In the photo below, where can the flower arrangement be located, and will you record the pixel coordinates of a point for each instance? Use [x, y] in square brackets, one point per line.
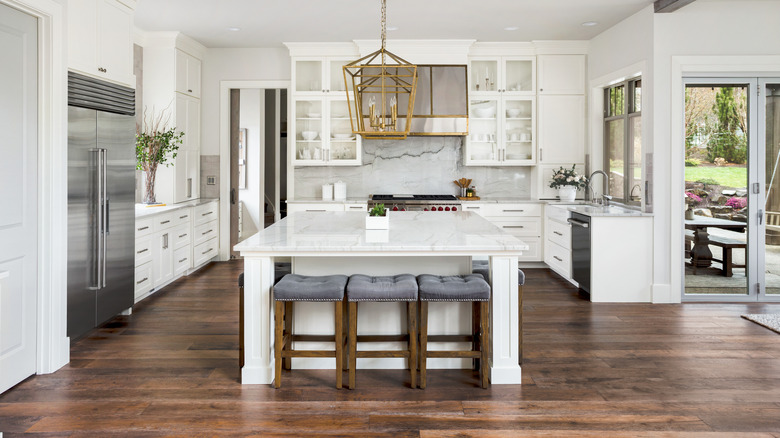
[568, 177]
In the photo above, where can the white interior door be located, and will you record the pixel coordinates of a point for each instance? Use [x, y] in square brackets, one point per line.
[19, 192]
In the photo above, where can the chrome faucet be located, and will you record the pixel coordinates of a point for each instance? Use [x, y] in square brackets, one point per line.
[605, 198]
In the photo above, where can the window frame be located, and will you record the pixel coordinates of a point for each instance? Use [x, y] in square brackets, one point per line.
[629, 113]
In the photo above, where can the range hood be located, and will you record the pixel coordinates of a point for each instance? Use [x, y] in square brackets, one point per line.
[441, 104]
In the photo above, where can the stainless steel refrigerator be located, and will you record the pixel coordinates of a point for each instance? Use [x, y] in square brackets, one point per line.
[101, 202]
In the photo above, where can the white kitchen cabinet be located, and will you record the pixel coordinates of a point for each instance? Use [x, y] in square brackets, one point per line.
[518, 219]
[294, 207]
[502, 131]
[162, 257]
[562, 129]
[502, 75]
[561, 74]
[187, 74]
[205, 234]
[143, 280]
[100, 39]
[188, 121]
[557, 240]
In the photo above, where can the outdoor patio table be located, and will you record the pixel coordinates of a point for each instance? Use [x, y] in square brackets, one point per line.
[701, 241]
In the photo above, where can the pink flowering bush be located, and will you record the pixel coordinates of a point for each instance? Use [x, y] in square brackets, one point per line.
[737, 203]
[692, 198]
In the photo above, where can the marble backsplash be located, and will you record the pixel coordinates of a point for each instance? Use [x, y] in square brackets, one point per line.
[414, 165]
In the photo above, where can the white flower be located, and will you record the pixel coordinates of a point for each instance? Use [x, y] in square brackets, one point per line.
[570, 179]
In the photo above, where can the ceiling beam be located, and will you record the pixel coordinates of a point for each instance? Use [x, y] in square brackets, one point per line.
[663, 6]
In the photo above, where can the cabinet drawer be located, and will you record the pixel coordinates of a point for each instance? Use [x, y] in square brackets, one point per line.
[143, 227]
[143, 280]
[163, 221]
[473, 208]
[182, 260]
[182, 216]
[511, 210]
[534, 251]
[205, 232]
[519, 227]
[559, 233]
[143, 250]
[294, 208]
[205, 213]
[181, 236]
[205, 251]
[355, 207]
[559, 258]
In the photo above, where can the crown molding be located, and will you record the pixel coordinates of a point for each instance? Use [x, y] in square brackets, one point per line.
[422, 51]
[564, 47]
[171, 40]
[319, 49]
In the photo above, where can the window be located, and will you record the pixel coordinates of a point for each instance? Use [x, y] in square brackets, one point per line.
[623, 140]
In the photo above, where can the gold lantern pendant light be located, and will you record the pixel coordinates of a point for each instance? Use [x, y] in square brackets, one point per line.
[377, 86]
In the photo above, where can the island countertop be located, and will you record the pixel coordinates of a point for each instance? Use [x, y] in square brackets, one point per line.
[454, 233]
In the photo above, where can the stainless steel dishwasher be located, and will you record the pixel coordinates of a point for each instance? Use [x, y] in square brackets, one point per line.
[580, 250]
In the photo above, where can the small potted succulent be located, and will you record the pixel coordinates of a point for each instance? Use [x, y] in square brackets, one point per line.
[377, 218]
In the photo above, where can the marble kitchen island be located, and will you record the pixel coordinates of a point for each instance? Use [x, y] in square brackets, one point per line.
[322, 243]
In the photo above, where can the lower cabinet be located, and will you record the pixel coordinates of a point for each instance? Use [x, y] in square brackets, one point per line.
[557, 243]
[172, 244]
[293, 207]
[521, 220]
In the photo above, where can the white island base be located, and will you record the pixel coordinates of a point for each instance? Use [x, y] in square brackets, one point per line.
[417, 244]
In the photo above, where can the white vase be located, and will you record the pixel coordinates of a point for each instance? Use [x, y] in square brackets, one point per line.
[567, 193]
[377, 222]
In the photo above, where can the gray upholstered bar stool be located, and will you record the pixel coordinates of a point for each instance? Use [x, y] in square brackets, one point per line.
[482, 267]
[471, 287]
[291, 288]
[393, 288]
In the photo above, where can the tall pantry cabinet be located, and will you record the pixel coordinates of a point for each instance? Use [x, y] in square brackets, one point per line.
[172, 76]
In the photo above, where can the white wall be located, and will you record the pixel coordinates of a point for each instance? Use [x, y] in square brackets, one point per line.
[251, 112]
[234, 65]
[720, 29]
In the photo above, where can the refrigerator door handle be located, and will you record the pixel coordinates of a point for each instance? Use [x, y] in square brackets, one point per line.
[99, 253]
[104, 204]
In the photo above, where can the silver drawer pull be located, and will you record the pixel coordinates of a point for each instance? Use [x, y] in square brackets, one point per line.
[184, 217]
[557, 258]
[142, 251]
[356, 208]
[514, 211]
[182, 235]
[164, 222]
[206, 232]
[472, 208]
[513, 226]
[207, 251]
[183, 260]
[142, 228]
[207, 213]
[316, 210]
[555, 232]
[141, 281]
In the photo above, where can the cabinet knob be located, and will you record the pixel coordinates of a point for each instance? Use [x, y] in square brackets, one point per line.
[189, 91]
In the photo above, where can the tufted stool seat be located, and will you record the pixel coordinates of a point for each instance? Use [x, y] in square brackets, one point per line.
[471, 287]
[482, 267]
[392, 288]
[294, 287]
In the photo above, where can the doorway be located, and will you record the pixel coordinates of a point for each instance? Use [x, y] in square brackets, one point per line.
[258, 165]
[732, 189]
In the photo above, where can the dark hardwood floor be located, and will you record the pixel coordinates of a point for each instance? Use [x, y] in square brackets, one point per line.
[591, 370]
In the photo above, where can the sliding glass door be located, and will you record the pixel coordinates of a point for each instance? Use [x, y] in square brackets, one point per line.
[732, 189]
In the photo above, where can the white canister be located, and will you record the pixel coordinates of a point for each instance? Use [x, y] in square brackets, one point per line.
[327, 192]
[339, 191]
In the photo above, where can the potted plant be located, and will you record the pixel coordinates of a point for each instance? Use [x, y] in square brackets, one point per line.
[568, 182]
[377, 218]
[691, 200]
[156, 144]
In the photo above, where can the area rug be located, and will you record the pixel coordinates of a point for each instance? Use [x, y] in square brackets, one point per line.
[769, 320]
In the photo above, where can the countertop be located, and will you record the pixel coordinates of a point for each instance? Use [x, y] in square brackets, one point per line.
[459, 233]
[141, 210]
[611, 211]
[320, 201]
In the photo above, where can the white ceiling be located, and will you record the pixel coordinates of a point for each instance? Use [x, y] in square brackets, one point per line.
[268, 23]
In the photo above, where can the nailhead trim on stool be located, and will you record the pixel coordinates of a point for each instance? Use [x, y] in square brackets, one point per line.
[466, 288]
[293, 287]
[393, 288]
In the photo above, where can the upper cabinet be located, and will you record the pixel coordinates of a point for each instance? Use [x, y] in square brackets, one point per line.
[187, 74]
[561, 74]
[506, 75]
[100, 39]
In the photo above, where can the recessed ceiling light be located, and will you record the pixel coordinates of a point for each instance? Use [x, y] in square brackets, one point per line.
[234, 29]
[590, 23]
[512, 28]
[392, 28]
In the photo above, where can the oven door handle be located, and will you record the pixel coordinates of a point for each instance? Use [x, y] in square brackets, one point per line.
[578, 223]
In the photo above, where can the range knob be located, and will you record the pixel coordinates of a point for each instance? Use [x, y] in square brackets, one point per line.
[425, 209]
[446, 209]
[454, 208]
[395, 208]
[403, 209]
[441, 208]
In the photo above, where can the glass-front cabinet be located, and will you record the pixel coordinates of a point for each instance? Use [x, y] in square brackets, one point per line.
[505, 75]
[321, 123]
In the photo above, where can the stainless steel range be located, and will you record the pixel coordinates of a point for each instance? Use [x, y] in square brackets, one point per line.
[416, 202]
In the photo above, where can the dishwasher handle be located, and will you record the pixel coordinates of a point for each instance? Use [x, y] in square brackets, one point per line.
[578, 223]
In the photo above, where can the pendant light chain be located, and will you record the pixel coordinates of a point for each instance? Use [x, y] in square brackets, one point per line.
[384, 28]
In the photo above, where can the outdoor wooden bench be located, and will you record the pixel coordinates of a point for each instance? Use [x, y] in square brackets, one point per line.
[728, 245]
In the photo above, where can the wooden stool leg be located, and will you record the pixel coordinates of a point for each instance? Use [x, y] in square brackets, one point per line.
[288, 329]
[278, 342]
[520, 325]
[339, 341]
[483, 333]
[474, 333]
[345, 328]
[352, 343]
[423, 342]
[411, 319]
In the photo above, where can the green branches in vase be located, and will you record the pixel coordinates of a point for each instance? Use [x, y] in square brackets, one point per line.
[155, 144]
